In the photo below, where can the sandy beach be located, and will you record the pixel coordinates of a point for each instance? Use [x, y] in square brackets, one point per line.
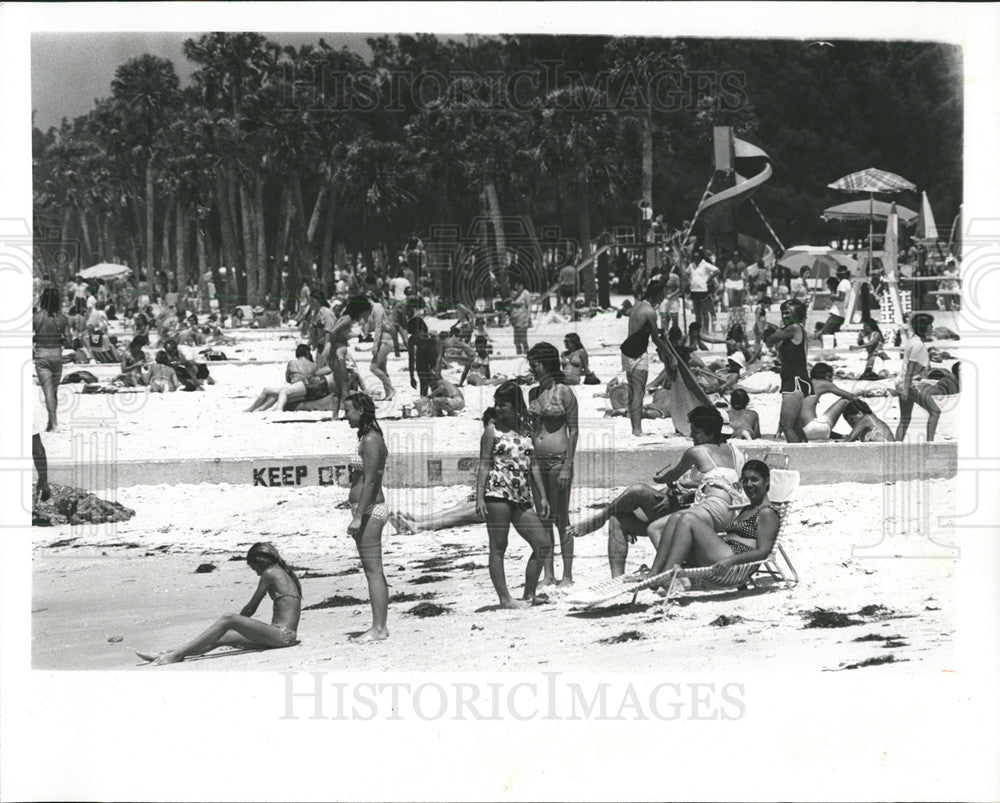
[101, 592]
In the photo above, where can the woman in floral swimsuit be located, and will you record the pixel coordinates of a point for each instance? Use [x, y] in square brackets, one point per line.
[504, 492]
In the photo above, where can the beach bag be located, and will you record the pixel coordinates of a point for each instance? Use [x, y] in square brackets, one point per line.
[590, 379]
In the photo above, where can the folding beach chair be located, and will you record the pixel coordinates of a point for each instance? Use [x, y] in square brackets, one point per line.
[784, 483]
[680, 581]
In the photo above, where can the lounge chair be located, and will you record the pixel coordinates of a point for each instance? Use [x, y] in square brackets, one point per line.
[680, 581]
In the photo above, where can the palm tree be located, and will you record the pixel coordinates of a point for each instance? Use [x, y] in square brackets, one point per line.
[579, 146]
[146, 92]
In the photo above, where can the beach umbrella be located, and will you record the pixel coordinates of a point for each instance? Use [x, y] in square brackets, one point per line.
[890, 259]
[867, 210]
[871, 181]
[927, 227]
[105, 270]
[812, 256]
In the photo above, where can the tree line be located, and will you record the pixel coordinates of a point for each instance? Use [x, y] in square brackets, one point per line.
[312, 153]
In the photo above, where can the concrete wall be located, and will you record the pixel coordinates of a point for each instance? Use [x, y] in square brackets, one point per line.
[820, 463]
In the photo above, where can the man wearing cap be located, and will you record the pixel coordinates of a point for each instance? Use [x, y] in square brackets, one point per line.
[838, 306]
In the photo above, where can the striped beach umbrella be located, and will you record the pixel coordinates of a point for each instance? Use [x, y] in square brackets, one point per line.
[871, 181]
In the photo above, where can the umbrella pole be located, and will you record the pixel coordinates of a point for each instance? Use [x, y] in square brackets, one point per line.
[871, 229]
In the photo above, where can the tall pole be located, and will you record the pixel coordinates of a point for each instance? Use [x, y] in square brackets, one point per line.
[871, 230]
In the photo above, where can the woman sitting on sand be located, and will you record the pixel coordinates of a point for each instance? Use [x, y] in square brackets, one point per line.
[457, 516]
[693, 539]
[503, 492]
[134, 362]
[240, 630]
[872, 341]
[745, 423]
[161, 377]
[575, 360]
[368, 506]
[302, 367]
[865, 425]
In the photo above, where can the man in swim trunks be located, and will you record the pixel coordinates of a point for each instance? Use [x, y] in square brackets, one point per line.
[820, 427]
[642, 326]
[865, 425]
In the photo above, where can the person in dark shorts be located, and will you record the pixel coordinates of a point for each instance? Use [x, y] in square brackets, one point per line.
[791, 342]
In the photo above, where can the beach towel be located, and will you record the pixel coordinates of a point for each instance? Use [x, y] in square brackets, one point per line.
[685, 394]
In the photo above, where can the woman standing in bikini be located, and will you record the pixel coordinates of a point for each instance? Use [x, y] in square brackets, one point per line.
[791, 342]
[356, 310]
[368, 506]
[555, 431]
[504, 495]
[367, 503]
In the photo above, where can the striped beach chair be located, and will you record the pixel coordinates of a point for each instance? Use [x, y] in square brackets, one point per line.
[680, 581]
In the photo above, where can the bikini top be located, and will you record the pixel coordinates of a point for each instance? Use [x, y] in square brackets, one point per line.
[552, 411]
[276, 595]
[723, 478]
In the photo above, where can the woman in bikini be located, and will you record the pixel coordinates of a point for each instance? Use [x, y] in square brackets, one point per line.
[367, 502]
[317, 386]
[713, 467]
[748, 538]
[504, 495]
[356, 310]
[575, 360]
[554, 412]
[791, 343]
[240, 630]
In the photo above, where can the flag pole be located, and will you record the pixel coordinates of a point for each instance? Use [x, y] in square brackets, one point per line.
[871, 229]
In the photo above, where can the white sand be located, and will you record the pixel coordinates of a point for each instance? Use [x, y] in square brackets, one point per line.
[136, 582]
[212, 423]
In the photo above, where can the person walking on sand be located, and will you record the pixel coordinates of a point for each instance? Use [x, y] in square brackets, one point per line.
[635, 362]
[51, 333]
[915, 364]
[382, 344]
[241, 630]
[367, 502]
[503, 492]
[555, 430]
[356, 310]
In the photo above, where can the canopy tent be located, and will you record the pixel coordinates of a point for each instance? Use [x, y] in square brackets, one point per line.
[105, 270]
[867, 210]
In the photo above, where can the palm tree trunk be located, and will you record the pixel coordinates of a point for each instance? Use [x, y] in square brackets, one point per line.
[249, 245]
[180, 255]
[317, 211]
[326, 258]
[234, 213]
[583, 198]
[284, 227]
[64, 244]
[150, 264]
[257, 205]
[171, 276]
[88, 251]
[229, 250]
[493, 200]
[647, 180]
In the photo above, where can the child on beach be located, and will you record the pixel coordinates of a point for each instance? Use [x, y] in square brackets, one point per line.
[872, 341]
[745, 423]
[240, 630]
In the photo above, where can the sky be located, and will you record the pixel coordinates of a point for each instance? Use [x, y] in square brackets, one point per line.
[69, 71]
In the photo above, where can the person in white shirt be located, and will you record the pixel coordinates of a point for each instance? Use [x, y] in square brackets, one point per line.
[97, 320]
[915, 364]
[398, 285]
[700, 272]
[838, 306]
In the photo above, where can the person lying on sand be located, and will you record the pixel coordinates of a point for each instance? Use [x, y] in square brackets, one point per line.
[240, 630]
[457, 516]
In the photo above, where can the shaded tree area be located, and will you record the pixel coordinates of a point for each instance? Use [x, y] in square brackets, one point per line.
[275, 159]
